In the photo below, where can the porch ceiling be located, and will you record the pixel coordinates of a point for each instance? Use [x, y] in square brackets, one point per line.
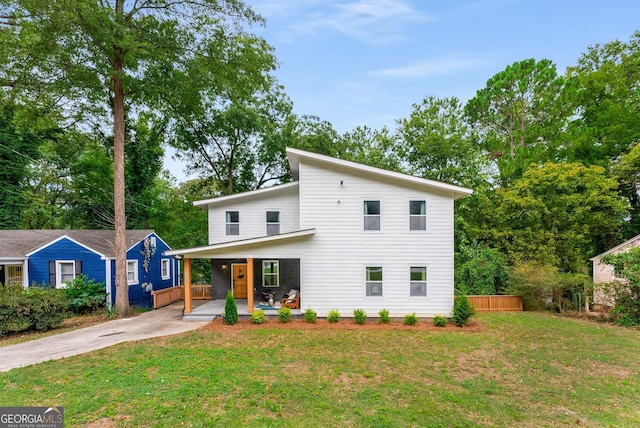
[215, 250]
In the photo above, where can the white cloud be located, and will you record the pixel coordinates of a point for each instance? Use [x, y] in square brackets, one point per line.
[372, 20]
[434, 67]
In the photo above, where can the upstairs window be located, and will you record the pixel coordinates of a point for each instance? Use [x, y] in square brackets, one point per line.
[270, 273]
[273, 222]
[371, 215]
[374, 280]
[418, 281]
[233, 223]
[417, 215]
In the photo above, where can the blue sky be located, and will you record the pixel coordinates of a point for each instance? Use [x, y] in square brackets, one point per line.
[365, 62]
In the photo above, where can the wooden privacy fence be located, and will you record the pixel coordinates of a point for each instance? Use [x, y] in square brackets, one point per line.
[167, 296]
[496, 303]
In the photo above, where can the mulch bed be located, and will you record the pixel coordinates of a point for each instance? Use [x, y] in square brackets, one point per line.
[217, 325]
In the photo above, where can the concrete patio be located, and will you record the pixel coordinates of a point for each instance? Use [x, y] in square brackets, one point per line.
[208, 310]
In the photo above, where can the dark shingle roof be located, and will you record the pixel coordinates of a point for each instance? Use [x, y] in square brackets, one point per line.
[17, 243]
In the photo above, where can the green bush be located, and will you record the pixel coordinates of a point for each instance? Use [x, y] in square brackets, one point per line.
[410, 319]
[440, 321]
[482, 270]
[334, 316]
[257, 317]
[544, 287]
[384, 316]
[462, 310]
[33, 308]
[310, 315]
[284, 314]
[359, 316]
[85, 295]
[230, 310]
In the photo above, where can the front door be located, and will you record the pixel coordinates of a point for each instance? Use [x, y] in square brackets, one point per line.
[239, 280]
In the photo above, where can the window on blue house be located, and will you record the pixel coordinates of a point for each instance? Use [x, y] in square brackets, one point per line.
[164, 268]
[65, 272]
[132, 272]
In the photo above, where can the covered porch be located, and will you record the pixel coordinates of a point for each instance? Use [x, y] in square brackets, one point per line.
[256, 271]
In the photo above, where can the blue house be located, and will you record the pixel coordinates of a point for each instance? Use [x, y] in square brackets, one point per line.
[53, 257]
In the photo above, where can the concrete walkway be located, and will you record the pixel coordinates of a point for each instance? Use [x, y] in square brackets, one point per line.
[160, 322]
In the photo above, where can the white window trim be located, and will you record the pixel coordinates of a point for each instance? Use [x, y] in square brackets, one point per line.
[362, 214]
[426, 210]
[267, 222]
[135, 281]
[162, 265]
[227, 223]
[364, 276]
[278, 275]
[59, 263]
[426, 285]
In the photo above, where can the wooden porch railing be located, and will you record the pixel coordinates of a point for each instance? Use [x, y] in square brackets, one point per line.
[496, 303]
[201, 292]
[167, 296]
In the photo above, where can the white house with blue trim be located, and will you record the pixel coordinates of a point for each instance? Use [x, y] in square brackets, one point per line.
[52, 257]
[345, 235]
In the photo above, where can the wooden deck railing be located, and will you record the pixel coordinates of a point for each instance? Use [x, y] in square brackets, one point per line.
[201, 292]
[496, 303]
[167, 296]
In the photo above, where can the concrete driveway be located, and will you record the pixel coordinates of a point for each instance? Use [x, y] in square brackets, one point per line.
[160, 322]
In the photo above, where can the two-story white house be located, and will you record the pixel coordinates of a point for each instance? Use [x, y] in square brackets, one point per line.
[345, 235]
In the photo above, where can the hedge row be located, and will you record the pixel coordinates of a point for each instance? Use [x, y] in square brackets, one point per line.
[33, 308]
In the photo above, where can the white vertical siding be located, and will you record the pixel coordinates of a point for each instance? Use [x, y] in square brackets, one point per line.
[252, 211]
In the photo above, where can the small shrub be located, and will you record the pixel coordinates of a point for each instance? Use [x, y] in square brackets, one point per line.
[85, 294]
[462, 310]
[112, 312]
[359, 316]
[257, 317]
[440, 321]
[384, 316]
[334, 316]
[33, 308]
[230, 310]
[410, 319]
[310, 315]
[284, 314]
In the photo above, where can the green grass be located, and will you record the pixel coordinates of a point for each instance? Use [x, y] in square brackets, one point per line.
[524, 369]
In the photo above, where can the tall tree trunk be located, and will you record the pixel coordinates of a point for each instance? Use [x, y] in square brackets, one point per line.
[122, 287]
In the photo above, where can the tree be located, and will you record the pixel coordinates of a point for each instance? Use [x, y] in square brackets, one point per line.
[370, 147]
[519, 116]
[557, 214]
[435, 143]
[18, 148]
[100, 59]
[606, 101]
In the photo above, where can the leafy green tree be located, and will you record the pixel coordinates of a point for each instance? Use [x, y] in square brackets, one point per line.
[607, 102]
[370, 147]
[18, 148]
[483, 271]
[435, 143]
[100, 59]
[520, 115]
[557, 214]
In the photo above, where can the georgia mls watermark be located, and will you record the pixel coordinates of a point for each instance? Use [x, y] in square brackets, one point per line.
[31, 417]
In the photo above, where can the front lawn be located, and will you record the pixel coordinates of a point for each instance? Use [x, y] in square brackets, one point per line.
[522, 369]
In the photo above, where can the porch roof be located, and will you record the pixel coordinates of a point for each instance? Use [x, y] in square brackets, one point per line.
[210, 251]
